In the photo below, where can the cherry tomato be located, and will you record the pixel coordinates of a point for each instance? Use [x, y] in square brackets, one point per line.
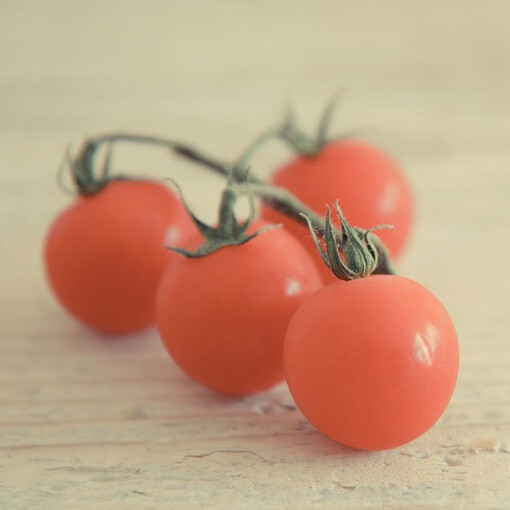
[373, 362]
[367, 182]
[222, 317]
[104, 255]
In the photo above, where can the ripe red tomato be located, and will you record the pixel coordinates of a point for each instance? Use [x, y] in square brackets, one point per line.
[104, 255]
[369, 185]
[222, 317]
[373, 362]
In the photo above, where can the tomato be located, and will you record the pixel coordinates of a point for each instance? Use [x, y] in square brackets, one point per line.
[372, 362]
[104, 255]
[223, 317]
[368, 184]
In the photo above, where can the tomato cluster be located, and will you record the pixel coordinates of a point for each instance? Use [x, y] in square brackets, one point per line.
[371, 362]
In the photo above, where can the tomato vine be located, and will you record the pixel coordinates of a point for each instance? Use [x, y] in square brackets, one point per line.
[277, 198]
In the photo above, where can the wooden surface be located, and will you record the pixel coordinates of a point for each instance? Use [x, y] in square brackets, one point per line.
[90, 422]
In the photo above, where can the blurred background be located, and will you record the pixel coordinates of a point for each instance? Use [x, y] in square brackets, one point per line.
[428, 81]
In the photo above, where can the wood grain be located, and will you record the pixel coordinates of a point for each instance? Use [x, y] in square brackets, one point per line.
[87, 421]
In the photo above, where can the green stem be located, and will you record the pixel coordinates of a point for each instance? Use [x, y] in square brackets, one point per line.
[275, 197]
[242, 162]
[83, 165]
[282, 200]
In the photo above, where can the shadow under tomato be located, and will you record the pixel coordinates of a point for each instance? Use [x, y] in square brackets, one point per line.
[269, 422]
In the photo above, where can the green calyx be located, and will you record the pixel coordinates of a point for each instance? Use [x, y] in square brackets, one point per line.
[289, 133]
[360, 254]
[86, 180]
[229, 232]
[302, 143]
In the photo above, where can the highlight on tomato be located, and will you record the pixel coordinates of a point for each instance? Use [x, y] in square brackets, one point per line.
[366, 180]
[104, 254]
[372, 362]
[223, 309]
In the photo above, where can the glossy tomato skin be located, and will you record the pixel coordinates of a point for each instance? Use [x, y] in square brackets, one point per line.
[104, 254]
[372, 363]
[223, 317]
[369, 185]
